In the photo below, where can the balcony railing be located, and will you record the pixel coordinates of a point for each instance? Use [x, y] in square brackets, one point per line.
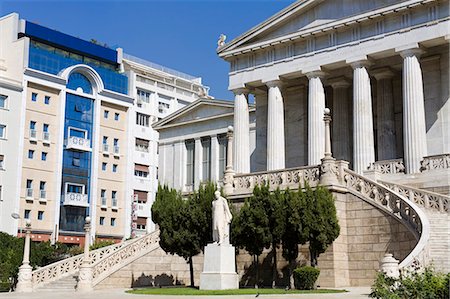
[42, 194]
[435, 162]
[388, 166]
[142, 148]
[46, 137]
[33, 134]
[78, 143]
[29, 192]
[76, 199]
[116, 150]
[104, 200]
[114, 203]
[105, 148]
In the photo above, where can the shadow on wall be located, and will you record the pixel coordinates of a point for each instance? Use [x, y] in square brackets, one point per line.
[248, 278]
[157, 281]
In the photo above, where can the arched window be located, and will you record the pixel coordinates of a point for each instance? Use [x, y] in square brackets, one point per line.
[79, 82]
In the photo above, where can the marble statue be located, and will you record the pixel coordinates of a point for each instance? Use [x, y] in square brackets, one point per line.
[221, 218]
[221, 40]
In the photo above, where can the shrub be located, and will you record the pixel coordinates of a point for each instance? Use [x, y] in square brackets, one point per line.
[425, 283]
[305, 277]
[100, 244]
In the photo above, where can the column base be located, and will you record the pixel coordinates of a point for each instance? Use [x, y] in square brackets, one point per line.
[25, 284]
[85, 279]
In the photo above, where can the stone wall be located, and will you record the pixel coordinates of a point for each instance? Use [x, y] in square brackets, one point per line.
[367, 233]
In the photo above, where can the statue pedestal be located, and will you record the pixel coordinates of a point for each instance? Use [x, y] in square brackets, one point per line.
[219, 270]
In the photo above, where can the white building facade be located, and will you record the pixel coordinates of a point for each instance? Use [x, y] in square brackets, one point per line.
[193, 143]
[382, 67]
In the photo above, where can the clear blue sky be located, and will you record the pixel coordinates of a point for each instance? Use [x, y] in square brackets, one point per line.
[180, 34]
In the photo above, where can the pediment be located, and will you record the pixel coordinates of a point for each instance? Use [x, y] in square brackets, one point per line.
[304, 15]
[200, 109]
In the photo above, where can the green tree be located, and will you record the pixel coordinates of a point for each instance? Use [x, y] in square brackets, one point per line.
[294, 233]
[320, 220]
[250, 229]
[185, 224]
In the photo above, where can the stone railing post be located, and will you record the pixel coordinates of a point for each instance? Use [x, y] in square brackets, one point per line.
[328, 168]
[228, 177]
[389, 266]
[85, 277]
[25, 284]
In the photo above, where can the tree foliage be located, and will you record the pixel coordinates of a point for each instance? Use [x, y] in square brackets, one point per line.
[185, 224]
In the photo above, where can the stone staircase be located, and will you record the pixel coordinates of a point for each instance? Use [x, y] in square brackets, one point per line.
[437, 208]
[67, 283]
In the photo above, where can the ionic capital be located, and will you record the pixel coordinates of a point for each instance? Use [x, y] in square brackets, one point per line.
[410, 50]
[315, 74]
[241, 90]
[274, 83]
[359, 62]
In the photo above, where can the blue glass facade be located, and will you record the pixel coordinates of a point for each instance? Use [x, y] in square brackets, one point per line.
[78, 122]
[77, 80]
[52, 60]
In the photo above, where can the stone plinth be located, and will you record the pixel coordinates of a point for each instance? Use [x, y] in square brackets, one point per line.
[219, 268]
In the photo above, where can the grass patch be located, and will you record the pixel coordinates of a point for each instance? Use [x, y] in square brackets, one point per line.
[246, 291]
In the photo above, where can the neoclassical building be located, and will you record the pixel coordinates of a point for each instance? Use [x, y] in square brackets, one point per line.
[380, 66]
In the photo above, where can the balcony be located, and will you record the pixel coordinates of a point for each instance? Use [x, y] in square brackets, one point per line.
[105, 149]
[79, 144]
[42, 195]
[104, 205]
[141, 148]
[33, 135]
[29, 193]
[114, 204]
[76, 199]
[143, 210]
[46, 137]
[116, 151]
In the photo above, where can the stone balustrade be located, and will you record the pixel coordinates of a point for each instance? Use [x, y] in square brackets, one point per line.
[396, 205]
[104, 267]
[286, 178]
[435, 162]
[70, 265]
[388, 166]
[427, 199]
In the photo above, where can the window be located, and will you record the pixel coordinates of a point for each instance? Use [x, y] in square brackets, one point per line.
[34, 96]
[114, 168]
[102, 220]
[116, 142]
[163, 107]
[76, 159]
[44, 156]
[143, 96]
[2, 163]
[47, 100]
[141, 170]
[141, 196]
[116, 116]
[26, 214]
[105, 139]
[30, 154]
[45, 128]
[190, 152]
[105, 114]
[80, 133]
[29, 184]
[3, 101]
[72, 188]
[40, 215]
[105, 143]
[222, 139]
[42, 192]
[113, 221]
[114, 199]
[142, 145]
[104, 164]
[206, 159]
[142, 119]
[2, 131]
[42, 185]
[32, 125]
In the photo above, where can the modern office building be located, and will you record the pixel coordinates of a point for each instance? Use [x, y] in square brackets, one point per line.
[75, 133]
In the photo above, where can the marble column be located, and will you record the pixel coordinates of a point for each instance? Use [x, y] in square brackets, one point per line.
[275, 127]
[25, 283]
[341, 139]
[198, 159]
[363, 139]
[414, 128]
[241, 132]
[386, 139]
[215, 175]
[316, 127]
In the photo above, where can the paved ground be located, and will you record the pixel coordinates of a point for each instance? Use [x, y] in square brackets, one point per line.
[354, 293]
